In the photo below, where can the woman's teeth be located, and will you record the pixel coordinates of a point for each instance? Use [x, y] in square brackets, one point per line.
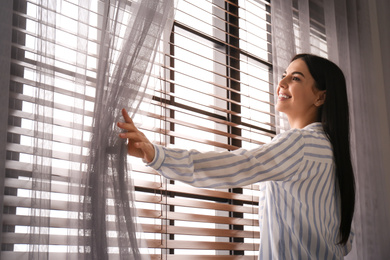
[283, 96]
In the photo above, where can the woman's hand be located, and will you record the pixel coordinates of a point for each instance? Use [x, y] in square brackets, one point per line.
[138, 145]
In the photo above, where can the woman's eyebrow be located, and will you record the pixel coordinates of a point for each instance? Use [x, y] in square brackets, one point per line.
[295, 72]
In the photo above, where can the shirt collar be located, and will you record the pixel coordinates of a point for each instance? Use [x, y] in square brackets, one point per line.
[314, 126]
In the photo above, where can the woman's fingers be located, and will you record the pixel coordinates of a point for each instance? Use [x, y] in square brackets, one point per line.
[127, 126]
[126, 116]
[130, 135]
[138, 144]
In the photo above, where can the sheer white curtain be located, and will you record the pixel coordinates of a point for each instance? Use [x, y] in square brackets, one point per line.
[124, 60]
[362, 29]
[83, 61]
[283, 48]
[357, 39]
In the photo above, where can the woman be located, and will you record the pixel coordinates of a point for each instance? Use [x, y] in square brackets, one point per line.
[305, 174]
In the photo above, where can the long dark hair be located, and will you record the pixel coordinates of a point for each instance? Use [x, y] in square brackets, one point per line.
[334, 116]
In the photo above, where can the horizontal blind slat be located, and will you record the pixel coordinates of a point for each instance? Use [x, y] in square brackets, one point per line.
[40, 135]
[47, 153]
[203, 257]
[49, 120]
[197, 231]
[54, 89]
[63, 223]
[215, 118]
[75, 256]
[67, 187]
[14, 238]
[15, 201]
[204, 245]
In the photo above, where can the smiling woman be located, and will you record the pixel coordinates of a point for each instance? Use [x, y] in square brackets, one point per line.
[303, 173]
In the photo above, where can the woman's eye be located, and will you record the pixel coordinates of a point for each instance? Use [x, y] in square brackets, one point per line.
[296, 78]
[283, 76]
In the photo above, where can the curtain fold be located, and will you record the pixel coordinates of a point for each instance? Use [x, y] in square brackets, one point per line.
[356, 44]
[108, 172]
[42, 145]
[356, 39]
[283, 48]
[101, 211]
[369, 95]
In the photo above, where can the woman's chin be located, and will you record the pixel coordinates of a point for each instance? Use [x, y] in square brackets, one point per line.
[279, 108]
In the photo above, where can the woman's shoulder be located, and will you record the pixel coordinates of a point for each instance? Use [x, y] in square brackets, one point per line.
[317, 144]
[313, 135]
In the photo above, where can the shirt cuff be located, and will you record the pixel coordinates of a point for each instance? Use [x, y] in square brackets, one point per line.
[159, 157]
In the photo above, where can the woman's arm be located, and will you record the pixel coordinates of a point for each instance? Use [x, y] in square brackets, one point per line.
[277, 160]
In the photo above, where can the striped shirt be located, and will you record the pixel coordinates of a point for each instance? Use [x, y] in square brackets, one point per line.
[299, 212]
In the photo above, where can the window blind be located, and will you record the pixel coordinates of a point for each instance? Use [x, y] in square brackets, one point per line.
[213, 91]
[201, 87]
[60, 139]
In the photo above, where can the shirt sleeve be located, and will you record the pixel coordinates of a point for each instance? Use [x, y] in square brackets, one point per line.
[276, 160]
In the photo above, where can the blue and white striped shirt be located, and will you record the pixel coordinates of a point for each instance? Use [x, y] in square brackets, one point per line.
[299, 211]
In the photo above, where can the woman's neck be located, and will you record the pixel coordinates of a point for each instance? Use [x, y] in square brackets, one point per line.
[300, 122]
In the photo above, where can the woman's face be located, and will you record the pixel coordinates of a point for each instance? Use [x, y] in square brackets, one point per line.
[297, 95]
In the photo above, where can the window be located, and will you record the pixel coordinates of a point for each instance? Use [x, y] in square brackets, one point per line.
[62, 134]
[216, 94]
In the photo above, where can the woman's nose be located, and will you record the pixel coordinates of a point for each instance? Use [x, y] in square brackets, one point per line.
[282, 83]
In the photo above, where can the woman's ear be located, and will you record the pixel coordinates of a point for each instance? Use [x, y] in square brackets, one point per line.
[321, 96]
